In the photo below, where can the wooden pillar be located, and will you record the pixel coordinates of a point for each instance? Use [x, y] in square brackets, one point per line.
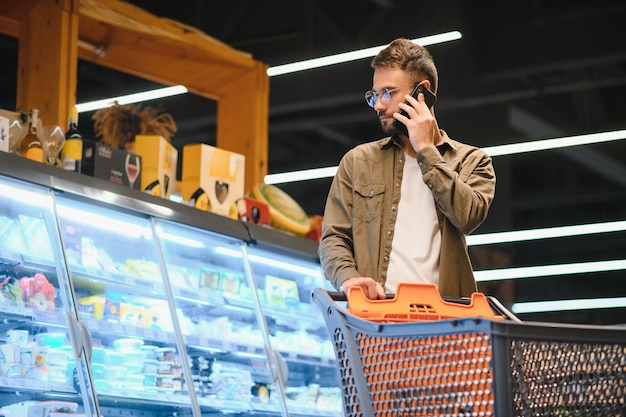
[47, 60]
[242, 122]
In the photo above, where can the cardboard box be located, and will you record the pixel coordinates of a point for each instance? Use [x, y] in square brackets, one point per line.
[212, 178]
[253, 211]
[159, 159]
[102, 161]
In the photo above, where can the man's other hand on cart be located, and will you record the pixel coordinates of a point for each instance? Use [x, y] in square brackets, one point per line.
[372, 289]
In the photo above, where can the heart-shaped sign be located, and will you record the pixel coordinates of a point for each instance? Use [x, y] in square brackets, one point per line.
[221, 191]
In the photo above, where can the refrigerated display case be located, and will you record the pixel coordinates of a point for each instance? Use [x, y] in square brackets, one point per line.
[179, 311]
[42, 367]
[121, 298]
[245, 312]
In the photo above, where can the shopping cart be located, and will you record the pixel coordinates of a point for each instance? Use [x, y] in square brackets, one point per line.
[417, 354]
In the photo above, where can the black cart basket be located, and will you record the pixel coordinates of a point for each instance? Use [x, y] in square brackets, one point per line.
[407, 364]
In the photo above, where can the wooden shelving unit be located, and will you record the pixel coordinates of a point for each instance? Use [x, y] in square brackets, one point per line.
[53, 35]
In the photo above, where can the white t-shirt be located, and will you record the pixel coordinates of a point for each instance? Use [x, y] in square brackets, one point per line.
[416, 243]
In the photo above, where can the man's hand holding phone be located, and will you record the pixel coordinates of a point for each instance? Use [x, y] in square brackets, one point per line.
[429, 99]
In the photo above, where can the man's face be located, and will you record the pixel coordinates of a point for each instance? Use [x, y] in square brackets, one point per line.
[388, 80]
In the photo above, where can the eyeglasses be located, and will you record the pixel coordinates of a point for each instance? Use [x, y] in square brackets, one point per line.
[371, 96]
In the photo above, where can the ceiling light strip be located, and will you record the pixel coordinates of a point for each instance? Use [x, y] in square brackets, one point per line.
[499, 150]
[303, 175]
[549, 270]
[562, 305]
[545, 144]
[132, 98]
[545, 233]
[354, 55]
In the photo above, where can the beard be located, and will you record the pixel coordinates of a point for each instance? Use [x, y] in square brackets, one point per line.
[388, 128]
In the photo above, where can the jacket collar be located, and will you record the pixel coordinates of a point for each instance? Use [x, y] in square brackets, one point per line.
[446, 142]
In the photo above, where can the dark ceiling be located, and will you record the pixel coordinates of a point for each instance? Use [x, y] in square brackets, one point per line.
[522, 71]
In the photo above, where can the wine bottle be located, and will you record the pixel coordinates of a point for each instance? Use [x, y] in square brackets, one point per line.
[72, 152]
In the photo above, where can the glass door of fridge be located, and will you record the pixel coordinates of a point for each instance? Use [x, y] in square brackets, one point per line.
[136, 364]
[298, 335]
[41, 360]
[219, 321]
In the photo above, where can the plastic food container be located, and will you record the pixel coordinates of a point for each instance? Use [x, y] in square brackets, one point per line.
[133, 357]
[59, 406]
[50, 339]
[18, 409]
[128, 345]
[97, 369]
[165, 354]
[114, 373]
[98, 354]
[164, 367]
[150, 351]
[150, 380]
[17, 337]
[113, 358]
[150, 366]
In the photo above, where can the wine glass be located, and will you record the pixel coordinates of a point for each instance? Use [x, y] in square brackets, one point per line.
[52, 138]
[132, 168]
[17, 132]
[18, 128]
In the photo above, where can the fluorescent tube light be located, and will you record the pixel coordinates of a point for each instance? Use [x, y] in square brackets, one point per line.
[562, 305]
[104, 222]
[568, 141]
[499, 150]
[354, 55]
[192, 243]
[132, 98]
[549, 270]
[546, 233]
[23, 194]
[306, 174]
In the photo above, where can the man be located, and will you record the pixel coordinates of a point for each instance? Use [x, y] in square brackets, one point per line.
[398, 208]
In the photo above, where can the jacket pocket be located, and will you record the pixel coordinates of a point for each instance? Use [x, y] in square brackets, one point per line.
[368, 201]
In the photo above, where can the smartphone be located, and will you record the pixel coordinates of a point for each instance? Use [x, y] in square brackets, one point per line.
[429, 98]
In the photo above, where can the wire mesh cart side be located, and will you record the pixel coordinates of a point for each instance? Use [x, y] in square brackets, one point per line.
[475, 366]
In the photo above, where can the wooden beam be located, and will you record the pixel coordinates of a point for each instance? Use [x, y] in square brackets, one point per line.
[47, 60]
[9, 27]
[16, 9]
[242, 122]
[162, 60]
